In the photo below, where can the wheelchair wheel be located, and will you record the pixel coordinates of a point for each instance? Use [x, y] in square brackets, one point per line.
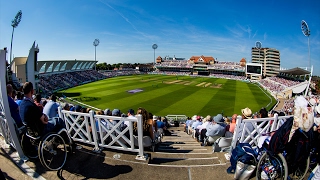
[28, 146]
[272, 167]
[53, 152]
[301, 171]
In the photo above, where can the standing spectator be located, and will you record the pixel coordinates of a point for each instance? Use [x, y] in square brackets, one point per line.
[14, 107]
[51, 108]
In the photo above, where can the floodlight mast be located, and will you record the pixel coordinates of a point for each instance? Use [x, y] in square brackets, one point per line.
[306, 32]
[154, 47]
[14, 23]
[95, 44]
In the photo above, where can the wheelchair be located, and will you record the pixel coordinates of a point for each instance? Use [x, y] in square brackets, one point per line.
[275, 166]
[51, 149]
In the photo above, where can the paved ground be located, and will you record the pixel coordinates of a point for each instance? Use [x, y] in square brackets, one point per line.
[85, 164]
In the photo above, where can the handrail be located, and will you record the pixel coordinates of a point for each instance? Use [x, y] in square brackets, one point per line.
[104, 131]
[243, 133]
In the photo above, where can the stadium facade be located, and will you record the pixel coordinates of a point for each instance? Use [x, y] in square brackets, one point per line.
[28, 69]
[269, 58]
[201, 65]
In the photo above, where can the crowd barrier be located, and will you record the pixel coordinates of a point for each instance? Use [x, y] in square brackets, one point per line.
[262, 126]
[103, 131]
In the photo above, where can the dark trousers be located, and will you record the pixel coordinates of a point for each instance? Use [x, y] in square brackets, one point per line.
[203, 134]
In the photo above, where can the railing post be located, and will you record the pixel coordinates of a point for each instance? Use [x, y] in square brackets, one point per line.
[94, 132]
[5, 105]
[141, 155]
[275, 122]
[235, 133]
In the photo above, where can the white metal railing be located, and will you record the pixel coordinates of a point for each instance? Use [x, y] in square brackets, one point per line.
[172, 117]
[104, 131]
[245, 133]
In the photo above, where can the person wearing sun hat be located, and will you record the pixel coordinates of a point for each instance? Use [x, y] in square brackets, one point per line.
[215, 127]
[246, 114]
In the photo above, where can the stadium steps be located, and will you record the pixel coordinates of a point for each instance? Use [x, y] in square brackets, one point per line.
[280, 105]
[181, 150]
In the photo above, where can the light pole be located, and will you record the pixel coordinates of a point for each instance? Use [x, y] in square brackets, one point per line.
[258, 46]
[14, 23]
[95, 44]
[306, 32]
[154, 47]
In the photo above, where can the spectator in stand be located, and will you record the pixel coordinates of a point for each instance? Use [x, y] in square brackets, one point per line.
[233, 123]
[214, 128]
[37, 101]
[246, 114]
[44, 103]
[203, 126]
[130, 115]
[147, 124]
[14, 93]
[197, 123]
[107, 112]
[263, 113]
[185, 126]
[155, 127]
[37, 122]
[14, 107]
[19, 98]
[51, 108]
[65, 106]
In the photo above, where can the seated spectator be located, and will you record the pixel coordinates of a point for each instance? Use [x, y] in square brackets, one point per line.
[107, 112]
[130, 114]
[246, 114]
[185, 125]
[214, 128]
[37, 122]
[14, 107]
[197, 123]
[37, 101]
[233, 123]
[51, 108]
[154, 121]
[147, 124]
[203, 126]
[19, 98]
[65, 106]
[263, 113]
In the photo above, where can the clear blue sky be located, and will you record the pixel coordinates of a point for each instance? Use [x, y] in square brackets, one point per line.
[227, 29]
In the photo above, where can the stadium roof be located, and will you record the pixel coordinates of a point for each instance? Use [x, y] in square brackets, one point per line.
[295, 71]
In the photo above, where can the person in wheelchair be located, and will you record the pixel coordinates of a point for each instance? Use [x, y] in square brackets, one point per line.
[37, 123]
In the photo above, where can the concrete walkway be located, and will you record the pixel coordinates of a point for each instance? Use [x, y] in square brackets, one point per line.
[85, 164]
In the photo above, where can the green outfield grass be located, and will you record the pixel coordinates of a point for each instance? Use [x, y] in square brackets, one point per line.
[165, 94]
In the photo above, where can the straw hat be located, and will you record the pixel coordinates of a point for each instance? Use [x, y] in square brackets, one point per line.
[246, 112]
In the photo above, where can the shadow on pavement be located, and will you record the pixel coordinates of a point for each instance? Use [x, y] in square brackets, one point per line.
[87, 165]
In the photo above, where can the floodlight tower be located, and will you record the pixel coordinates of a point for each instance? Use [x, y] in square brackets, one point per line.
[306, 32]
[95, 44]
[258, 46]
[154, 47]
[14, 23]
